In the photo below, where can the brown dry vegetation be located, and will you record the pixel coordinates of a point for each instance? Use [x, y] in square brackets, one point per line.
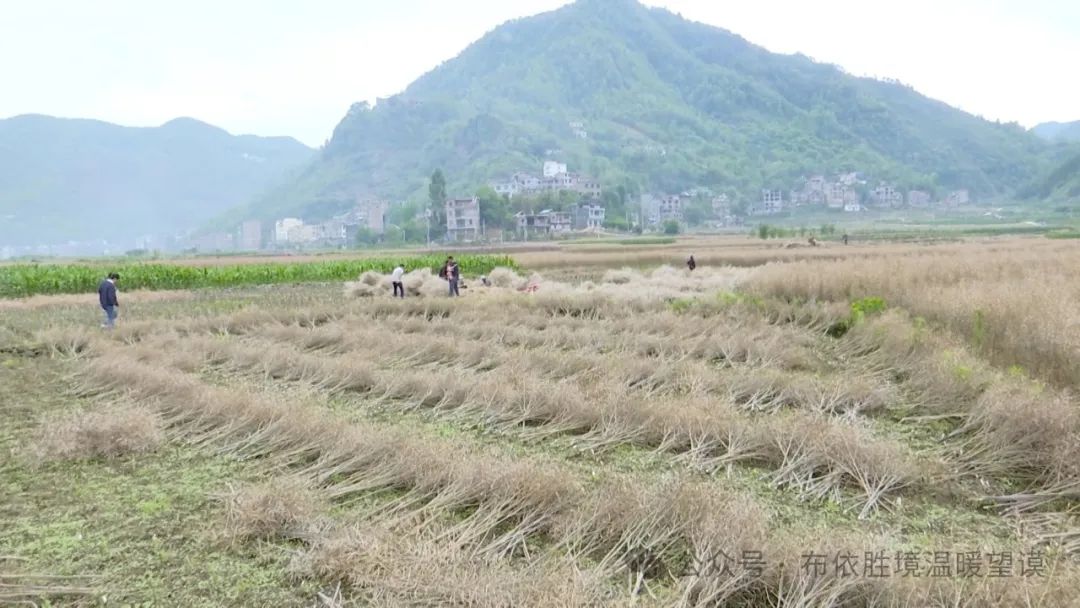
[1017, 302]
[109, 433]
[601, 442]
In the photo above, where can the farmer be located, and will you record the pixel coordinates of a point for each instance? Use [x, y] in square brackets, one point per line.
[844, 238]
[395, 280]
[107, 298]
[691, 264]
[453, 275]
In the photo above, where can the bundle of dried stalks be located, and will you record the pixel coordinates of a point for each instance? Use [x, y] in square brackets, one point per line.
[388, 568]
[282, 508]
[112, 432]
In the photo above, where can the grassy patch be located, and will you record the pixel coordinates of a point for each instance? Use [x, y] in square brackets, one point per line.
[143, 526]
[21, 280]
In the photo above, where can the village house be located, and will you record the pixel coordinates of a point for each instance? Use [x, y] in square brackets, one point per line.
[852, 207]
[836, 195]
[812, 193]
[552, 168]
[369, 214]
[588, 216]
[957, 197]
[545, 223]
[848, 179]
[721, 205]
[302, 234]
[556, 179]
[918, 198]
[670, 208]
[282, 228]
[332, 232]
[463, 219]
[772, 202]
[251, 237]
[886, 196]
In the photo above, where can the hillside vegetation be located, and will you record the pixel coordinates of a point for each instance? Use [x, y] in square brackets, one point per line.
[1058, 131]
[68, 179]
[665, 104]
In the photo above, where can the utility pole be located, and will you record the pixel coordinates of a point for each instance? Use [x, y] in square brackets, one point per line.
[428, 215]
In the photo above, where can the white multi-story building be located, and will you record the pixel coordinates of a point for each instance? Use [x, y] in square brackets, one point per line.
[284, 226]
[303, 233]
[463, 219]
[552, 168]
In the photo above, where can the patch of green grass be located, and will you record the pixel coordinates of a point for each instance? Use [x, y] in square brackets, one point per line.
[146, 527]
[21, 280]
[643, 240]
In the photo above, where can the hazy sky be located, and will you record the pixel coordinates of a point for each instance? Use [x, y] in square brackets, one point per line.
[283, 67]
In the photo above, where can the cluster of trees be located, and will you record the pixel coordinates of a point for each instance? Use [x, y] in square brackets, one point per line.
[767, 231]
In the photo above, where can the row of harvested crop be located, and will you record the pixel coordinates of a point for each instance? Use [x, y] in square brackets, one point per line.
[22, 280]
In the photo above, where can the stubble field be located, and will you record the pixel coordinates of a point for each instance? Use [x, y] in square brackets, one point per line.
[877, 425]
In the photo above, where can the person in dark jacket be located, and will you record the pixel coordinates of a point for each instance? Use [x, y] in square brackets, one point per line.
[691, 264]
[107, 299]
[453, 275]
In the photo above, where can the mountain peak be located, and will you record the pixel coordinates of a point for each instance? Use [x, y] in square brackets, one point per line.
[662, 104]
[608, 4]
[186, 123]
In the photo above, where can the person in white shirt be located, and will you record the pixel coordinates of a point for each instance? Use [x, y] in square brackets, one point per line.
[395, 279]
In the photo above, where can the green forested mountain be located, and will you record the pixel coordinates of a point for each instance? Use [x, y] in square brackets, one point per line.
[1062, 183]
[1058, 131]
[71, 179]
[666, 104]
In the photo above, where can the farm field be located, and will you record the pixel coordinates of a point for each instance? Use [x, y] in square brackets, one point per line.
[869, 425]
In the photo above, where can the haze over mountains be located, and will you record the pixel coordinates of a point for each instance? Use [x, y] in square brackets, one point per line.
[641, 96]
[1058, 131]
[74, 179]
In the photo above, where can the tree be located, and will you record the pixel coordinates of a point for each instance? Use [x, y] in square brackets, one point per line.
[494, 209]
[437, 202]
[616, 222]
[366, 237]
[671, 227]
[698, 211]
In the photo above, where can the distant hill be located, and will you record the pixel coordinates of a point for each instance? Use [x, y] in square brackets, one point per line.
[1058, 131]
[74, 179]
[663, 103]
[1062, 183]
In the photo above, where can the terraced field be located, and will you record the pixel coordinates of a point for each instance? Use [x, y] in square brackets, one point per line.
[648, 437]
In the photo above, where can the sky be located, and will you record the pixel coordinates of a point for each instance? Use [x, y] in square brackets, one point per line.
[282, 67]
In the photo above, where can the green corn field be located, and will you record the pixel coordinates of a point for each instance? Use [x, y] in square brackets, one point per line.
[22, 280]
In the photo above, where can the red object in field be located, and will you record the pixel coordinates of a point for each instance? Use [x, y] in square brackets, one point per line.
[530, 288]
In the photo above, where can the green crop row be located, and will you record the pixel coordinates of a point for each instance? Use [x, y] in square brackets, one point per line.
[21, 280]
